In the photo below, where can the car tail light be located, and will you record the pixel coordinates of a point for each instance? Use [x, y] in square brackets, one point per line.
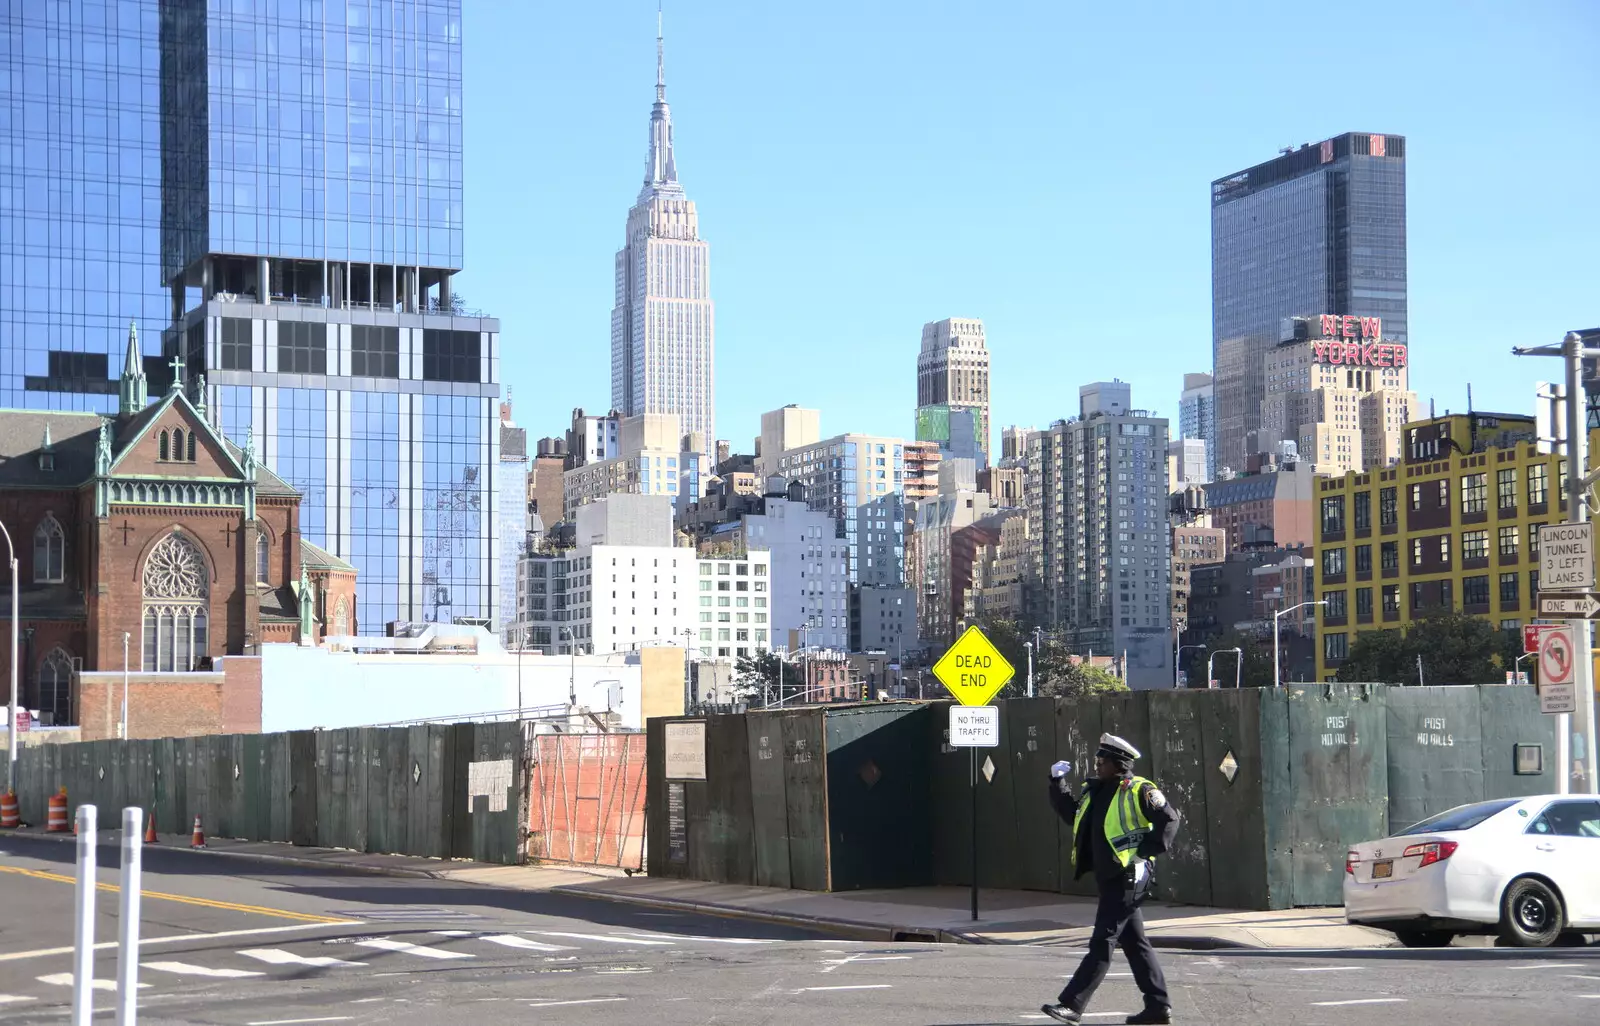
[1433, 851]
[1352, 859]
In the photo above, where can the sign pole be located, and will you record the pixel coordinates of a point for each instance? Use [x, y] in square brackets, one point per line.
[972, 764]
[1577, 513]
[974, 671]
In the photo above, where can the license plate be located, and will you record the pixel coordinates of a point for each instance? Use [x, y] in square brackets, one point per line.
[1383, 870]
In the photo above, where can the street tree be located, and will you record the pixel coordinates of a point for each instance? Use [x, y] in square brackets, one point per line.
[757, 675]
[1454, 648]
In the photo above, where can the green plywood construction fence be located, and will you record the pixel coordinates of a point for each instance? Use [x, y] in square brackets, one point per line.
[1274, 786]
[396, 790]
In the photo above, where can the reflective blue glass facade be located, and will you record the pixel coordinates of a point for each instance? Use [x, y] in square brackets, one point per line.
[273, 188]
[80, 200]
[455, 510]
[333, 128]
[1320, 229]
[375, 505]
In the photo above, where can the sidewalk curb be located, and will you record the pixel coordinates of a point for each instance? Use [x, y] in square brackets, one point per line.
[848, 929]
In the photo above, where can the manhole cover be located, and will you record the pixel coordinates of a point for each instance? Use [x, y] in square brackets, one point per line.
[870, 773]
[1229, 767]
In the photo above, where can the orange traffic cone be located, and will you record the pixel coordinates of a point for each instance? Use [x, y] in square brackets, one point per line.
[199, 838]
[150, 828]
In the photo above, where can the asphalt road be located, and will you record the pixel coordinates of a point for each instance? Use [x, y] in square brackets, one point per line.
[239, 943]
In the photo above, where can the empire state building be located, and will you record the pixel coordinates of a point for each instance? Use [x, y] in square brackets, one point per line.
[663, 324]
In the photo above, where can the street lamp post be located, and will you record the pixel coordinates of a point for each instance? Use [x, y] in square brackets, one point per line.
[124, 724]
[11, 710]
[1277, 679]
[1238, 667]
[1515, 673]
[1029, 646]
[572, 673]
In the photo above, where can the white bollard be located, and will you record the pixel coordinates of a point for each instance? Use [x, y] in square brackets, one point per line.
[128, 921]
[83, 935]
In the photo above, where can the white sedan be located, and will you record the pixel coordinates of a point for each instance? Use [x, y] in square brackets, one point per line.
[1526, 867]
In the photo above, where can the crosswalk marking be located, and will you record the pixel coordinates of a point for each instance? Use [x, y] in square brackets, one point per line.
[278, 956]
[385, 944]
[670, 937]
[511, 940]
[65, 980]
[604, 939]
[186, 969]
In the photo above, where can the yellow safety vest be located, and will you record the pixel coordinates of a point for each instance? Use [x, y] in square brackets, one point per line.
[1126, 823]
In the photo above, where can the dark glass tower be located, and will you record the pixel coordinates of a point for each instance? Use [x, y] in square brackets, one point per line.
[1320, 229]
[273, 190]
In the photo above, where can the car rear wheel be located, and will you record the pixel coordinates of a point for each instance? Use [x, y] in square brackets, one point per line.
[1530, 914]
[1424, 938]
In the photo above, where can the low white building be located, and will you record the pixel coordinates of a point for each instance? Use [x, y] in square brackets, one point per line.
[810, 571]
[626, 585]
[454, 672]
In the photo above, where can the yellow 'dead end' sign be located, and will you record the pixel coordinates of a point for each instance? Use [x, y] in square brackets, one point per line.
[973, 669]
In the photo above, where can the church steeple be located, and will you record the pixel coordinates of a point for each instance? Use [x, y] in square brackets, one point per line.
[133, 390]
[661, 171]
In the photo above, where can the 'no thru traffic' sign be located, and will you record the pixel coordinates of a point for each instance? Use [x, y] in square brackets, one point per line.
[974, 726]
[973, 669]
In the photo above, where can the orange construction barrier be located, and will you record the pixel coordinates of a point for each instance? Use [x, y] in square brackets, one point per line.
[199, 838]
[57, 821]
[9, 814]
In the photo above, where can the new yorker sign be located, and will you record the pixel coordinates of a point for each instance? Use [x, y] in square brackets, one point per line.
[1350, 341]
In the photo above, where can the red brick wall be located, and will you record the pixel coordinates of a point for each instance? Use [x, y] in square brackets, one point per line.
[159, 705]
[330, 588]
[145, 457]
[241, 695]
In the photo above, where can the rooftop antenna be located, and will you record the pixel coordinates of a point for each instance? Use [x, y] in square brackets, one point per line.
[1469, 397]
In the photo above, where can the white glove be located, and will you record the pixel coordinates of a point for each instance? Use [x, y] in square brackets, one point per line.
[1060, 769]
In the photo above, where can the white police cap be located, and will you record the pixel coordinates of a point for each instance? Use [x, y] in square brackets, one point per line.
[1116, 747]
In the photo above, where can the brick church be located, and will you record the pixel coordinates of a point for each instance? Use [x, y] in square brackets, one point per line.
[149, 542]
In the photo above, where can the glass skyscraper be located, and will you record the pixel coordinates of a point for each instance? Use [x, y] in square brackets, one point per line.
[80, 200]
[1317, 230]
[277, 185]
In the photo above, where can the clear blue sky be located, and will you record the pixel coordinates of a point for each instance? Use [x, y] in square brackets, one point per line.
[862, 167]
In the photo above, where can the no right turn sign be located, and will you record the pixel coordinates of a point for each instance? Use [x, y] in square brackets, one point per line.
[1558, 662]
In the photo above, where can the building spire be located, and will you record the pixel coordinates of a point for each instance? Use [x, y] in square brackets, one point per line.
[661, 64]
[660, 170]
[133, 390]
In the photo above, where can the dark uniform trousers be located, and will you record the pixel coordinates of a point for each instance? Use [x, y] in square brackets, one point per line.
[1117, 920]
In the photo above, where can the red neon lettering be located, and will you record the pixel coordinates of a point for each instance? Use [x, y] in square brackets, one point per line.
[1371, 327]
[1330, 326]
[1319, 351]
[1383, 355]
[1336, 353]
[1368, 356]
[1348, 325]
[1399, 356]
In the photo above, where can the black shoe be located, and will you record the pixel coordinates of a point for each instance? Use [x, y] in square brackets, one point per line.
[1061, 1013]
[1151, 1017]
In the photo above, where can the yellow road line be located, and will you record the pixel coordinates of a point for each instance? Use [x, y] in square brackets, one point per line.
[185, 899]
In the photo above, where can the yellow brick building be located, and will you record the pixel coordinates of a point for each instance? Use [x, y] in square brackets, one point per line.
[1454, 526]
